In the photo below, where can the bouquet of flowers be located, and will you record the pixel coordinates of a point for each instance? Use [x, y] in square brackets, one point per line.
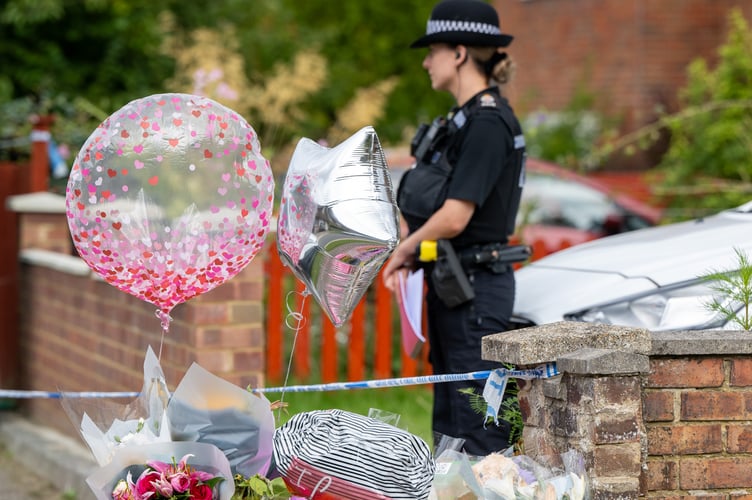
[150, 472]
[161, 480]
[209, 409]
[504, 476]
[219, 429]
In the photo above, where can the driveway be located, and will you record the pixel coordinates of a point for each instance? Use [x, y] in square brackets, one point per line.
[39, 463]
[24, 483]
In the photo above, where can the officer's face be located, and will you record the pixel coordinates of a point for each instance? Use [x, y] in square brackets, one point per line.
[440, 64]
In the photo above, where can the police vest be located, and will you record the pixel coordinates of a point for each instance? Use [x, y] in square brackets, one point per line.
[423, 189]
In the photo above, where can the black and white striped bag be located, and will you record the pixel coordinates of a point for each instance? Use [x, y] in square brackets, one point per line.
[335, 454]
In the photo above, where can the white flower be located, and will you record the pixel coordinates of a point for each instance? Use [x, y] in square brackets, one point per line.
[503, 487]
[578, 487]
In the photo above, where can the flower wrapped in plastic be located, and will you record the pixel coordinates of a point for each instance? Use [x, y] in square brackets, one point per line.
[504, 476]
[566, 479]
[233, 425]
[153, 472]
[107, 426]
[208, 409]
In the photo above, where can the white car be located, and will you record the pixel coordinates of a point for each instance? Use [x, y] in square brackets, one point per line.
[649, 278]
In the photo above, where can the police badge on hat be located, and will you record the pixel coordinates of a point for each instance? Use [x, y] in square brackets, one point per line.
[488, 100]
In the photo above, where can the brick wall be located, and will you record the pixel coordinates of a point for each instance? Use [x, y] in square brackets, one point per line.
[79, 333]
[630, 55]
[653, 414]
[697, 413]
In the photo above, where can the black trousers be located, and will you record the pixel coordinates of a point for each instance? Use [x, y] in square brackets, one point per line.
[455, 347]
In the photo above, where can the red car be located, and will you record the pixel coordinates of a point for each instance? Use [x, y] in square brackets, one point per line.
[561, 208]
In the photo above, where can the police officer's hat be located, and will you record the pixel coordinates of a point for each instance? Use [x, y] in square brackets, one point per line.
[464, 22]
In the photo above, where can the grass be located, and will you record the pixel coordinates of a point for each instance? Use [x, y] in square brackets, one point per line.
[412, 404]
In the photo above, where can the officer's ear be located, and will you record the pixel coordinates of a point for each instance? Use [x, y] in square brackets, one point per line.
[460, 54]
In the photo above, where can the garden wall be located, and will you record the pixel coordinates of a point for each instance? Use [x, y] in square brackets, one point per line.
[78, 333]
[659, 415]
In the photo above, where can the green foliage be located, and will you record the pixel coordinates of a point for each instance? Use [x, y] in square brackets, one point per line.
[565, 137]
[111, 52]
[508, 412]
[364, 42]
[108, 52]
[260, 488]
[734, 292]
[69, 495]
[714, 141]
[708, 165]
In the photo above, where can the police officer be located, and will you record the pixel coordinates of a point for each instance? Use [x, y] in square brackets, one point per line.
[465, 188]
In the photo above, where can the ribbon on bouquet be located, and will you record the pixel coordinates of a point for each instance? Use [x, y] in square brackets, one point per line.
[496, 385]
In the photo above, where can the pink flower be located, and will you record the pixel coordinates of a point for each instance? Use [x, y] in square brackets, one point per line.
[163, 487]
[180, 481]
[164, 481]
[201, 492]
[123, 490]
[199, 475]
[183, 464]
[158, 466]
[145, 483]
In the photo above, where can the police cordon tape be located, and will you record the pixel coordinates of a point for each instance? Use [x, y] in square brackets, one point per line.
[493, 392]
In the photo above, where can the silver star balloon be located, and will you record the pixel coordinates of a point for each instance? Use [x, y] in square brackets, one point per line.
[338, 220]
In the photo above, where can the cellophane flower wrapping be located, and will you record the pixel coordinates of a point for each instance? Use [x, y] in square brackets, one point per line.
[133, 459]
[233, 425]
[453, 477]
[106, 425]
[209, 409]
[504, 476]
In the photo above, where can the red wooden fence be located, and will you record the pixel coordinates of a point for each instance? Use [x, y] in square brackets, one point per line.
[367, 347]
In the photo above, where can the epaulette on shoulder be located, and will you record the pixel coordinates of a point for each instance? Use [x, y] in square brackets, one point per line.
[487, 100]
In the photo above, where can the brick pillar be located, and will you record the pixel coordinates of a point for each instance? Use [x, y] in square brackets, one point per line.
[594, 407]
[601, 412]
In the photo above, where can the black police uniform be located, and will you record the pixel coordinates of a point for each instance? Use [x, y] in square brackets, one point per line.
[476, 154]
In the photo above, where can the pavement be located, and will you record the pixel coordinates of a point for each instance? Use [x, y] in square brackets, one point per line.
[38, 462]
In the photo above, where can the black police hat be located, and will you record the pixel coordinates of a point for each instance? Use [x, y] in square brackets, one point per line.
[464, 22]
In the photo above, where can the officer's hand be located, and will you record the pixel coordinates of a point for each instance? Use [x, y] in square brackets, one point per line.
[402, 257]
[392, 282]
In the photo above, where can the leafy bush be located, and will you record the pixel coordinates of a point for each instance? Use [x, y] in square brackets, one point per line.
[707, 165]
[710, 137]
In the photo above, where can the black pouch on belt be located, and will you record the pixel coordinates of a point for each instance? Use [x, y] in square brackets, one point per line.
[449, 279]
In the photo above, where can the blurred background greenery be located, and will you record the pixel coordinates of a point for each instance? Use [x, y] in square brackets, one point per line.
[323, 70]
[294, 69]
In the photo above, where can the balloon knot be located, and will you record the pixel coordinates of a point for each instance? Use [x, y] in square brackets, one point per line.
[164, 318]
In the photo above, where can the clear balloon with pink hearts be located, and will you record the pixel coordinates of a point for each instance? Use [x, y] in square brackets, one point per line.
[169, 198]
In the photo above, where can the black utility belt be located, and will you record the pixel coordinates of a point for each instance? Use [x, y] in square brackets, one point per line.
[449, 273]
[493, 255]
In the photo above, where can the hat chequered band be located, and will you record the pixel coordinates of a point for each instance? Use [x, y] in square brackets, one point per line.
[442, 26]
